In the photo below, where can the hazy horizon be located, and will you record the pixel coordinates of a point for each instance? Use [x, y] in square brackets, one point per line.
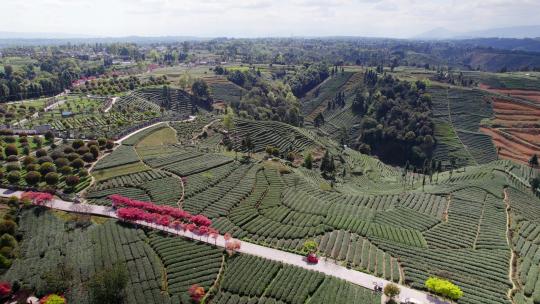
[263, 18]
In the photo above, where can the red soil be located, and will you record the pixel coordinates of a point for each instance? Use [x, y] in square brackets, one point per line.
[530, 95]
[511, 147]
[510, 113]
[518, 136]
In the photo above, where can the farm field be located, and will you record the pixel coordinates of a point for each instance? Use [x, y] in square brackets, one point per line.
[459, 207]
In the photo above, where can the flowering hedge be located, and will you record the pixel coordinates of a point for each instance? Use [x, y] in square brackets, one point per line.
[133, 210]
[37, 198]
[122, 201]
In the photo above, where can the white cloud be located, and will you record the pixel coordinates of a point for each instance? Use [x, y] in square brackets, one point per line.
[247, 18]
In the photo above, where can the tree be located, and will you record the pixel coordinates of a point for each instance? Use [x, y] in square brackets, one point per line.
[107, 286]
[535, 184]
[51, 178]
[196, 293]
[49, 136]
[308, 161]
[319, 120]
[444, 288]
[32, 178]
[391, 290]
[200, 89]
[46, 168]
[533, 161]
[77, 163]
[11, 149]
[72, 180]
[76, 144]
[327, 163]
[53, 299]
[14, 177]
[109, 145]
[310, 246]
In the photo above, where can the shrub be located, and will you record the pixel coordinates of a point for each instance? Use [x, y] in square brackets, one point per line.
[5, 263]
[77, 163]
[5, 289]
[73, 156]
[14, 177]
[92, 143]
[310, 246]
[60, 162]
[7, 240]
[9, 139]
[68, 150]
[95, 151]
[72, 180]
[38, 141]
[45, 159]
[391, 290]
[76, 144]
[102, 141]
[11, 150]
[83, 150]
[88, 157]
[12, 158]
[83, 173]
[110, 144]
[444, 288]
[308, 161]
[32, 178]
[51, 178]
[58, 154]
[32, 167]
[29, 160]
[49, 136]
[8, 226]
[53, 299]
[14, 166]
[41, 153]
[66, 170]
[46, 168]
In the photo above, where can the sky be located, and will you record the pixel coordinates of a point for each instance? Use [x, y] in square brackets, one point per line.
[263, 18]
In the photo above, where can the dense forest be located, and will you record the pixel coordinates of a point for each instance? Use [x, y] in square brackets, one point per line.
[46, 77]
[396, 120]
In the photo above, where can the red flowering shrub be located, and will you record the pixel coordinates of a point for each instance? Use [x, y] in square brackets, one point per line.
[37, 198]
[312, 258]
[196, 293]
[5, 289]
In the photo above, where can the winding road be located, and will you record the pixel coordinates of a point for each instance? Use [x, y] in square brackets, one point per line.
[326, 267]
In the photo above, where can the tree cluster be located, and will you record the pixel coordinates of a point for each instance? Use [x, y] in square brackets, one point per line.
[396, 122]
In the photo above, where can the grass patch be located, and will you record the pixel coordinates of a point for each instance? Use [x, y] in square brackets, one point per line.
[163, 136]
[104, 174]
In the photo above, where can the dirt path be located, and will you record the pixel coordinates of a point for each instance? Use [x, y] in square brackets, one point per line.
[113, 101]
[512, 272]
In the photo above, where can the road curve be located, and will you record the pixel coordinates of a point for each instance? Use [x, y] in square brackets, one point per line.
[329, 268]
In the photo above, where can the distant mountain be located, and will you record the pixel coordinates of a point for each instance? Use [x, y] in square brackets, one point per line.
[37, 35]
[440, 33]
[8, 39]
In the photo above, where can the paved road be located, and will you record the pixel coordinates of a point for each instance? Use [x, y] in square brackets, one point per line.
[329, 268]
[113, 101]
[119, 141]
